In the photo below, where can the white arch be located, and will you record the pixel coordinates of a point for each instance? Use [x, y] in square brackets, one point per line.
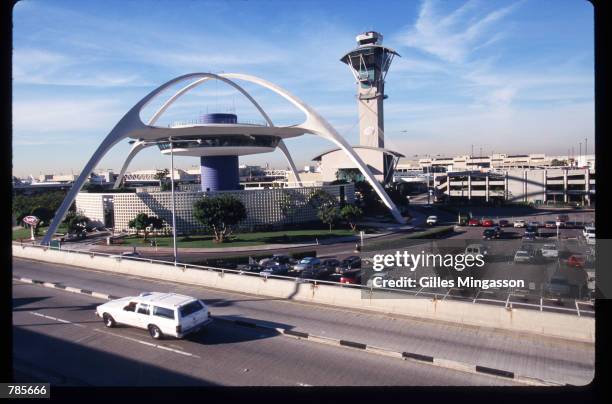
[131, 123]
[135, 150]
[317, 125]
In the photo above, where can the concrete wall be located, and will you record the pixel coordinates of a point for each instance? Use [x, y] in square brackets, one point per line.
[274, 206]
[518, 320]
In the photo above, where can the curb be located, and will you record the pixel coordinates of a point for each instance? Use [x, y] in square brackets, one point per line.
[347, 344]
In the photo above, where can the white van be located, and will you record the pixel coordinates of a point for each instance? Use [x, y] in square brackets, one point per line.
[162, 314]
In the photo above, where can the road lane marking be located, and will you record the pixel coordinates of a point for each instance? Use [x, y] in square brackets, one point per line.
[57, 319]
[165, 348]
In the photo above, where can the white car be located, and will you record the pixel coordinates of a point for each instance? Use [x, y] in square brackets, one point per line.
[519, 223]
[550, 251]
[162, 314]
[522, 256]
[589, 232]
[431, 220]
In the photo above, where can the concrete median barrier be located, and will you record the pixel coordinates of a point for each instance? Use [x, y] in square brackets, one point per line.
[527, 321]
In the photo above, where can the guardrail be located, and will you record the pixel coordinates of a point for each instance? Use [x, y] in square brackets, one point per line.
[507, 303]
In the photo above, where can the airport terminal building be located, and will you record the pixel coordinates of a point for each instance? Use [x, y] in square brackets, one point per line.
[266, 208]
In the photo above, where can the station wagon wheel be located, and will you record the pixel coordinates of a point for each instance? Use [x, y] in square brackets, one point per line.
[155, 332]
[109, 321]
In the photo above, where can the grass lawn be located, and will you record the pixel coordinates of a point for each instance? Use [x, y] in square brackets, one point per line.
[24, 233]
[244, 239]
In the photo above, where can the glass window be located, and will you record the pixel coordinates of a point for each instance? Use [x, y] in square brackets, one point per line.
[163, 312]
[143, 309]
[190, 308]
[130, 307]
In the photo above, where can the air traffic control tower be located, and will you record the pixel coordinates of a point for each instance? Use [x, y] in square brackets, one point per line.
[369, 63]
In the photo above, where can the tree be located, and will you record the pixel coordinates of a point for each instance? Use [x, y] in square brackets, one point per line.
[161, 175]
[326, 206]
[350, 214]
[558, 163]
[320, 198]
[329, 214]
[218, 214]
[76, 221]
[44, 214]
[156, 223]
[142, 221]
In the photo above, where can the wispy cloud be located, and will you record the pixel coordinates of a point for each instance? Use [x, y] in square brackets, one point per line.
[453, 37]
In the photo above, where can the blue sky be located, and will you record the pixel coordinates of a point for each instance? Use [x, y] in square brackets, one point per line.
[507, 76]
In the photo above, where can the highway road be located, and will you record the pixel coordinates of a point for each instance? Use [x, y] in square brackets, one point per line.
[58, 338]
[543, 358]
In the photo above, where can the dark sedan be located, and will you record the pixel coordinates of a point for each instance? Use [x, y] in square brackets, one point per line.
[349, 263]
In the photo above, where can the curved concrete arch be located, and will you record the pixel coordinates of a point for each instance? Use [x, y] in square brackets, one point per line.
[131, 123]
[317, 125]
[136, 148]
[184, 90]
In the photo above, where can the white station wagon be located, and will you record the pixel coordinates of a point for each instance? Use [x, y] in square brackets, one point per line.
[162, 314]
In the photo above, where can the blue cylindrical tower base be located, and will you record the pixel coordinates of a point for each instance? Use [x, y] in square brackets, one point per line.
[219, 173]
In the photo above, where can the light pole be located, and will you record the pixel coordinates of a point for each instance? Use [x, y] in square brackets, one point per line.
[174, 248]
[173, 201]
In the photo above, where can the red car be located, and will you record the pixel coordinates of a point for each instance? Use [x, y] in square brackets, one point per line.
[504, 223]
[351, 277]
[473, 222]
[487, 223]
[576, 261]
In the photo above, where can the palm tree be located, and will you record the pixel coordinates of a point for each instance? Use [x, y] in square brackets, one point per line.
[160, 175]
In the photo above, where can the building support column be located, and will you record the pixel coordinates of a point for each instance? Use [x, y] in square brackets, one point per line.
[545, 199]
[587, 186]
[565, 186]
[524, 185]
[469, 187]
[487, 187]
[506, 186]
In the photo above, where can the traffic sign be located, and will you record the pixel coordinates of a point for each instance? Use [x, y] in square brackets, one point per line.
[31, 220]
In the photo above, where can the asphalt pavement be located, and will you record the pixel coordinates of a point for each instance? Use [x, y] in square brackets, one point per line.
[544, 358]
[58, 338]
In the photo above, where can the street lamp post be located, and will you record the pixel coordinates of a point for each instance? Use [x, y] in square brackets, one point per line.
[173, 200]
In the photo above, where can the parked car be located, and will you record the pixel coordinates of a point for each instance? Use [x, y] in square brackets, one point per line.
[252, 268]
[328, 266]
[274, 269]
[550, 224]
[523, 256]
[489, 234]
[431, 220]
[352, 277]
[307, 263]
[519, 223]
[473, 222]
[476, 249]
[562, 219]
[162, 314]
[279, 258]
[349, 263]
[531, 232]
[380, 275]
[504, 223]
[550, 251]
[488, 223]
[533, 224]
[576, 261]
[283, 259]
[589, 232]
[591, 280]
[557, 287]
